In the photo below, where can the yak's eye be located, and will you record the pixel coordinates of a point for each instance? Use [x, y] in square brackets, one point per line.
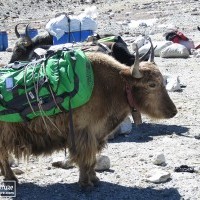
[152, 85]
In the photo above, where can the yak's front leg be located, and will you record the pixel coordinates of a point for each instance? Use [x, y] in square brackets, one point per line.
[85, 180]
[84, 156]
[88, 178]
[93, 177]
[5, 167]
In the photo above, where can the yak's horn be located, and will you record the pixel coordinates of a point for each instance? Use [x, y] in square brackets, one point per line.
[135, 67]
[151, 57]
[16, 31]
[143, 57]
[26, 30]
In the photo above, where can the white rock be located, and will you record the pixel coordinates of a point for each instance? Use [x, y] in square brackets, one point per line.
[9, 49]
[159, 159]
[18, 171]
[198, 55]
[128, 13]
[103, 163]
[12, 161]
[172, 83]
[158, 177]
[62, 162]
[195, 53]
[197, 169]
[126, 126]
[111, 14]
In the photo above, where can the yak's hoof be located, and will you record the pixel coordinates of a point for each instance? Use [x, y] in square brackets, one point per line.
[86, 187]
[95, 181]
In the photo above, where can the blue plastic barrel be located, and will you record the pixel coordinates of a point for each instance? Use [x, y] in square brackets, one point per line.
[3, 40]
[31, 32]
[78, 36]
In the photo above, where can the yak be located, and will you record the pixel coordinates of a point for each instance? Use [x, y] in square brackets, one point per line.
[117, 88]
[25, 45]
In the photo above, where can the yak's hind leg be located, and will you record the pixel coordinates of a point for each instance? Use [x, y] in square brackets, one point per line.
[5, 167]
[84, 156]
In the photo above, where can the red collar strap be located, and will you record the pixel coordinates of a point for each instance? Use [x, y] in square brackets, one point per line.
[129, 95]
[135, 113]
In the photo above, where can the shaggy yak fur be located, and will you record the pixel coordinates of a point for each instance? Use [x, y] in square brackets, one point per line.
[94, 121]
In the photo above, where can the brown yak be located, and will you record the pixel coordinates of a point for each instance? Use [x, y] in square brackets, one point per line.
[117, 88]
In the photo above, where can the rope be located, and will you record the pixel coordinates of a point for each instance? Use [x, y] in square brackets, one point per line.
[36, 87]
[51, 91]
[71, 128]
[25, 89]
[43, 114]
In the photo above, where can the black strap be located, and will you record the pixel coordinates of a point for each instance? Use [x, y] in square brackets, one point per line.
[69, 23]
[19, 101]
[71, 128]
[45, 106]
[18, 65]
[80, 32]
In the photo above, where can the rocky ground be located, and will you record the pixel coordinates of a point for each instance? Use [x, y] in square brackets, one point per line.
[132, 155]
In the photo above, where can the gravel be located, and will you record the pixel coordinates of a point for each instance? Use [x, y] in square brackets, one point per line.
[131, 155]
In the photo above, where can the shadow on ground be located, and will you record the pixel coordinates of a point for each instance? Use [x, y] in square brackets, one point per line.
[105, 191]
[146, 131]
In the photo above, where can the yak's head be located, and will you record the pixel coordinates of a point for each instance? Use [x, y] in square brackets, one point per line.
[146, 85]
[22, 47]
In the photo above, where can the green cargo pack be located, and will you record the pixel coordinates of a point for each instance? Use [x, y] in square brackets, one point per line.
[45, 87]
[112, 39]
